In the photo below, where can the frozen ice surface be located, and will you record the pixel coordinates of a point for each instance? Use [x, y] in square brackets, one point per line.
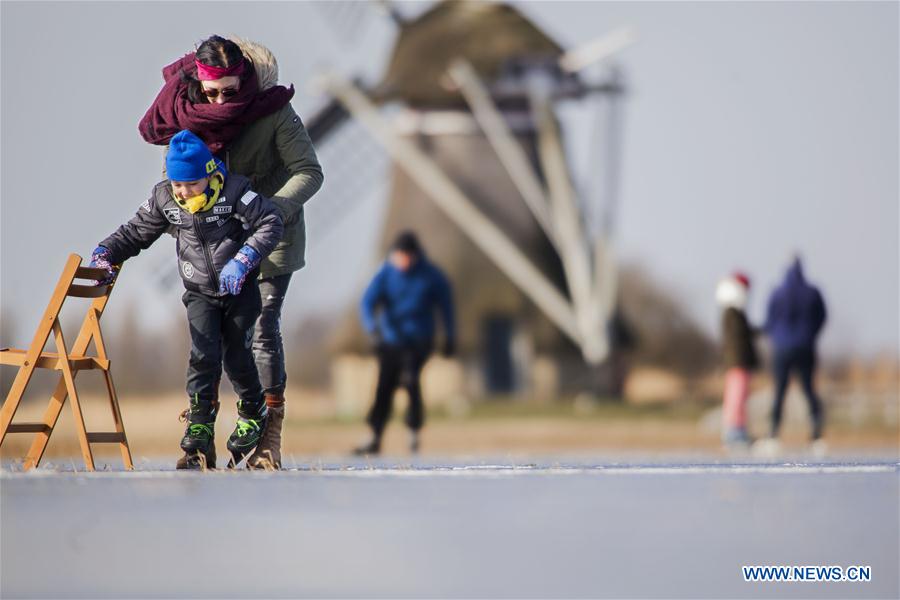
[627, 526]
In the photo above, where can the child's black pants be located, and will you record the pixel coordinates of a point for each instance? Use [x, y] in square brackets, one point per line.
[222, 332]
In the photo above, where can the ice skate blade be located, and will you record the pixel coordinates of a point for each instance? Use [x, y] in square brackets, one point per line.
[237, 458]
[263, 462]
[197, 462]
[365, 452]
[818, 449]
[766, 448]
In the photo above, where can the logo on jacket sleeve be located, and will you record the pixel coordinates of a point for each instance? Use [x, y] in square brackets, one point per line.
[146, 205]
[187, 269]
[249, 197]
[173, 215]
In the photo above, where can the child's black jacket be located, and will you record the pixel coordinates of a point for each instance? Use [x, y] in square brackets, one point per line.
[206, 240]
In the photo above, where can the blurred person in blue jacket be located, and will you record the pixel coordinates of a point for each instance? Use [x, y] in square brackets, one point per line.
[795, 317]
[398, 312]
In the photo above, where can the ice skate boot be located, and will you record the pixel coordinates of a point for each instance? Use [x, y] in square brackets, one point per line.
[769, 448]
[199, 447]
[818, 448]
[372, 447]
[246, 435]
[267, 455]
[736, 440]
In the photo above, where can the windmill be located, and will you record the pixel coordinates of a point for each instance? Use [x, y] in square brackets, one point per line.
[480, 80]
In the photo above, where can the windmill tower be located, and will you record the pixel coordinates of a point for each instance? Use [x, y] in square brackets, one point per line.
[467, 112]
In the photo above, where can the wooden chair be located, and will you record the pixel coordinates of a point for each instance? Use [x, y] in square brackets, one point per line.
[68, 360]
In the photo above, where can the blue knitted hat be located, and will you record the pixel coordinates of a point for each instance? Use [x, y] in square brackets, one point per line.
[189, 159]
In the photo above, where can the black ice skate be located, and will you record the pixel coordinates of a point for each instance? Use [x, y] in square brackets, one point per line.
[246, 435]
[199, 447]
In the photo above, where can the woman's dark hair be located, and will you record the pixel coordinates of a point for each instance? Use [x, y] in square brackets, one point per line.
[214, 51]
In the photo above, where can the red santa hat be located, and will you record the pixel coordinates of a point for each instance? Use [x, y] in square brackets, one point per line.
[741, 278]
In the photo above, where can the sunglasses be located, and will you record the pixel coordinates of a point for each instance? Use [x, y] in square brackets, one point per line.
[213, 92]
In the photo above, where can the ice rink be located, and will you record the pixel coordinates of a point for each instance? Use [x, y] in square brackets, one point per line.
[576, 527]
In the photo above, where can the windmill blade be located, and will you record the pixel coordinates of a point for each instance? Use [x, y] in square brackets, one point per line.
[357, 172]
[325, 121]
[594, 136]
[347, 19]
[597, 50]
[392, 10]
[608, 153]
[568, 223]
[510, 153]
[604, 292]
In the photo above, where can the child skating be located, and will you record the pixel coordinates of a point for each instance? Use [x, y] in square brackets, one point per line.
[223, 229]
[739, 356]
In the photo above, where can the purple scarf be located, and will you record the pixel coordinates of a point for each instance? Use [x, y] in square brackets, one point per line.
[215, 124]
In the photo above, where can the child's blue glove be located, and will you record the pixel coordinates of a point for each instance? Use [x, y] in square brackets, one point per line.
[100, 259]
[232, 277]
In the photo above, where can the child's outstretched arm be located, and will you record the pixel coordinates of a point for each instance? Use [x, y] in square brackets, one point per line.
[138, 234]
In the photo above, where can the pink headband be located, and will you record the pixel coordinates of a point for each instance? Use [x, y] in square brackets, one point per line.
[208, 73]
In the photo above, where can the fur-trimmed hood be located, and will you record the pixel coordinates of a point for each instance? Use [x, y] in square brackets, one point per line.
[263, 61]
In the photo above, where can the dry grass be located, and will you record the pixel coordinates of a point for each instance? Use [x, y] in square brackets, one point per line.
[497, 429]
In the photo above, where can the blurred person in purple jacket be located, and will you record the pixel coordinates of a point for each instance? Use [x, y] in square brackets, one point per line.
[795, 317]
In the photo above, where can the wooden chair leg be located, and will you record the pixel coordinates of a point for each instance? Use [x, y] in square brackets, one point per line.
[117, 417]
[14, 397]
[79, 422]
[10, 407]
[69, 379]
[51, 416]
